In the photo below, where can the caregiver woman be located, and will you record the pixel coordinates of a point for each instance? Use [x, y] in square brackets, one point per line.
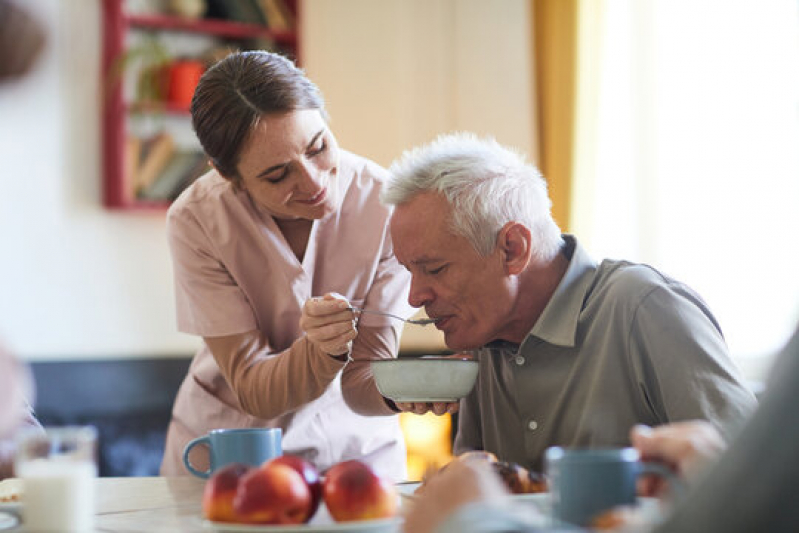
[270, 248]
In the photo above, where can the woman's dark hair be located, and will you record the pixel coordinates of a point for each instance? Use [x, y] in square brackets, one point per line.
[233, 95]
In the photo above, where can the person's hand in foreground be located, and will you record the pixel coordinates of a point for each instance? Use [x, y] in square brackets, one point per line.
[685, 447]
[329, 324]
[459, 483]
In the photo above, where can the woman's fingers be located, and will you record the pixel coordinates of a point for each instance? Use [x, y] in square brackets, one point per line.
[328, 323]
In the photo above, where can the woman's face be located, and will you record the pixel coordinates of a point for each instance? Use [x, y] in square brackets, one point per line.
[289, 165]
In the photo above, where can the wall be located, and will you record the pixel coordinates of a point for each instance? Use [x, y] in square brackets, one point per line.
[397, 73]
[77, 280]
[81, 281]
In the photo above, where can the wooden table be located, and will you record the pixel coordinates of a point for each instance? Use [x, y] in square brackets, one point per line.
[153, 504]
[149, 504]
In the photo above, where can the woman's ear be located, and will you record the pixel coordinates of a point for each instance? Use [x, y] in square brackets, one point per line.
[515, 246]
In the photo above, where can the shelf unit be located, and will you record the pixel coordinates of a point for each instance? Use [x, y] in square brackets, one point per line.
[119, 109]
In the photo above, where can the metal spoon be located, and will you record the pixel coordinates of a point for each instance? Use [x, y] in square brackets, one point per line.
[416, 321]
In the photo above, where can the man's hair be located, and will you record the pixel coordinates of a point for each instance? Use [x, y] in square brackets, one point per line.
[487, 186]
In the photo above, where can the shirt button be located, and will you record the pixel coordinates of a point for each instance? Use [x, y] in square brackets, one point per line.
[519, 360]
[532, 425]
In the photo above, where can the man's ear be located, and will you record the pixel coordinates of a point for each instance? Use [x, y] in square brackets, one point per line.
[515, 246]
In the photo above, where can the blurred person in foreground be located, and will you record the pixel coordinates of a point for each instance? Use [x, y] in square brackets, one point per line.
[270, 251]
[752, 486]
[22, 39]
[571, 352]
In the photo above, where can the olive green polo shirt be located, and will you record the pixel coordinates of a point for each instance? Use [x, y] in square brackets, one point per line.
[617, 345]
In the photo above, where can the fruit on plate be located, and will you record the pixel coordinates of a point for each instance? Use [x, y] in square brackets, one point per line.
[220, 490]
[353, 491]
[309, 473]
[273, 493]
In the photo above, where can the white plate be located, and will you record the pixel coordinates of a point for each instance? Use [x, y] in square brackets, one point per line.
[8, 521]
[322, 522]
[11, 507]
[391, 525]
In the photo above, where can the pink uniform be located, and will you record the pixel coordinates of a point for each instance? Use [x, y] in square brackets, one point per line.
[235, 273]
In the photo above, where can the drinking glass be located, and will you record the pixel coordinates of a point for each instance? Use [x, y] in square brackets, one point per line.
[57, 469]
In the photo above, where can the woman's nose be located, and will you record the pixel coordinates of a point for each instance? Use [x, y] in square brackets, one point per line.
[311, 178]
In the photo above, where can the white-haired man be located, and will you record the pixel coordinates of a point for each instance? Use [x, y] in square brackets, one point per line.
[572, 352]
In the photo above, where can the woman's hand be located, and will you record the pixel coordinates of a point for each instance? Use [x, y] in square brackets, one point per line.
[329, 323]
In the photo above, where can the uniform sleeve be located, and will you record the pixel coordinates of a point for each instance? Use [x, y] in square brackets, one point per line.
[683, 367]
[268, 385]
[378, 337]
[209, 302]
[468, 436]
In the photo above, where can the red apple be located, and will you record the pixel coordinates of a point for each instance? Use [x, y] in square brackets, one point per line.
[353, 491]
[272, 494]
[309, 473]
[220, 490]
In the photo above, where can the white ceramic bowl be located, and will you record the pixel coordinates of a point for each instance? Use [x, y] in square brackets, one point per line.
[425, 379]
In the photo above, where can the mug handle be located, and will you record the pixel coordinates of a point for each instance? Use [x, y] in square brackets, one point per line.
[199, 440]
[675, 483]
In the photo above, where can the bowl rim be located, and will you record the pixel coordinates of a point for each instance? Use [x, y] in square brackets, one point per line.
[426, 358]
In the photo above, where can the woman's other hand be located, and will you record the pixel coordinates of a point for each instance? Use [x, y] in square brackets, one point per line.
[329, 324]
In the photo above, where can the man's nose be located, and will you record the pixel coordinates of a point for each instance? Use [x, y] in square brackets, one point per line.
[420, 293]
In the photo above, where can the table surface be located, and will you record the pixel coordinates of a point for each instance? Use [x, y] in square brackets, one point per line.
[148, 504]
[157, 504]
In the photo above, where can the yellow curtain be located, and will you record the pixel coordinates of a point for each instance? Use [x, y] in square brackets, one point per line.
[566, 38]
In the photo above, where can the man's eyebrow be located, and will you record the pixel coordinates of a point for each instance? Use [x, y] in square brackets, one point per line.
[284, 165]
[426, 260]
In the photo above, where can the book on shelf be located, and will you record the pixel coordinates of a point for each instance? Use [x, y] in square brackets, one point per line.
[156, 154]
[183, 168]
[133, 149]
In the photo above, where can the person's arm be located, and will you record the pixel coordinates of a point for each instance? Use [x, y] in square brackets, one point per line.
[688, 448]
[754, 484]
[467, 497]
[267, 384]
[378, 337]
[211, 304]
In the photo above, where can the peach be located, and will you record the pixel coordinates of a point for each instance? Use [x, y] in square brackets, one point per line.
[272, 494]
[309, 473]
[353, 491]
[220, 490]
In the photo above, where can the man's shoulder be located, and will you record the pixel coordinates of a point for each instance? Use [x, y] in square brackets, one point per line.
[628, 279]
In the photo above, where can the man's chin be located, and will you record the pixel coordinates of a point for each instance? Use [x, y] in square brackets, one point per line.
[456, 342]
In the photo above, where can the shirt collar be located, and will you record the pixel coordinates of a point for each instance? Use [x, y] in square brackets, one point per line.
[558, 323]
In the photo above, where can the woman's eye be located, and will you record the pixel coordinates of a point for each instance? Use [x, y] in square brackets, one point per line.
[278, 177]
[434, 271]
[318, 150]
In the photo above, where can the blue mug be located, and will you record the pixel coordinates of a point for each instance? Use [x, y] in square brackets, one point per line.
[250, 446]
[585, 482]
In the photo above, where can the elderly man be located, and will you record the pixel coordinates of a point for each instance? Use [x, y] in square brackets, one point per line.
[571, 352]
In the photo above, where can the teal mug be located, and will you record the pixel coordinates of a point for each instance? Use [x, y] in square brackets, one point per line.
[250, 446]
[585, 482]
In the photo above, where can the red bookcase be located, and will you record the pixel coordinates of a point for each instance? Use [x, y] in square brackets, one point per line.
[136, 165]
